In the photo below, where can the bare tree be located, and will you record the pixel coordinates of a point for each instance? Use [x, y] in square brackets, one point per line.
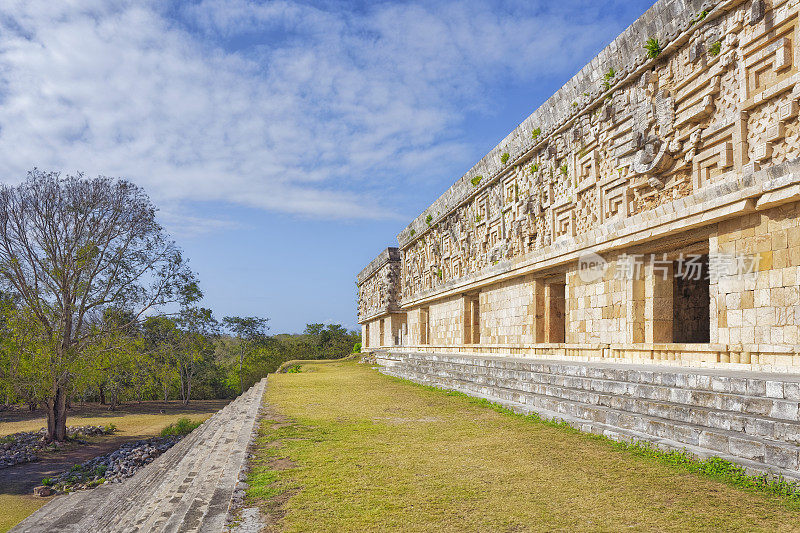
[71, 247]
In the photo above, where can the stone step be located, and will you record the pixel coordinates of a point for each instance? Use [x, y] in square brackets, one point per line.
[742, 401]
[756, 384]
[773, 455]
[720, 418]
[188, 488]
[619, 434]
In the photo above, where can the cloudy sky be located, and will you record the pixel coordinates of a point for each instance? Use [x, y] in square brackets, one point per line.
[286, 143]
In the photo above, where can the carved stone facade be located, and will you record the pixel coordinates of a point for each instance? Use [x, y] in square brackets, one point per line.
[691, 152]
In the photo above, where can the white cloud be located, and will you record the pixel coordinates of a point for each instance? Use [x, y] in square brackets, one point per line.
[277, 105]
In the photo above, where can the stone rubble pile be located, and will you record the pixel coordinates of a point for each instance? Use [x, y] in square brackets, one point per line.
[114, 467]
[25, 446]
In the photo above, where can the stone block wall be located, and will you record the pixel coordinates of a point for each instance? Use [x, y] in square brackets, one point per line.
[507, 311]
[597, 309]
[762, 308]
[446, 321]
[695, 149]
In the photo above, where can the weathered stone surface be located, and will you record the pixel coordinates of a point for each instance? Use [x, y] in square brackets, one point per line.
[188, 488]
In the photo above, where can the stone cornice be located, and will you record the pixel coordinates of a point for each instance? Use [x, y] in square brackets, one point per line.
[388, 255]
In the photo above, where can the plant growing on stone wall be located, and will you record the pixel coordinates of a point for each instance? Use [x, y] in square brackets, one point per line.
[476, 180]
[428, 219]
[715, 48]
[536, 132]
[574, 104]
[504, 158]
[439, 273]
[516, 192]
[607, 77]
[700, 16]
[653, 47]
[564, 169]
[534, 168]
[413, 232]
[478, 218]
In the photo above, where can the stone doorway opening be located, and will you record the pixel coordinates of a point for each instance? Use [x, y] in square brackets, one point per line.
[691, 301]
[555, 312]
[472, 319]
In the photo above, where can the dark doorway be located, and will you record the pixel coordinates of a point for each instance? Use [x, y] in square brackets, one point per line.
[691, 302]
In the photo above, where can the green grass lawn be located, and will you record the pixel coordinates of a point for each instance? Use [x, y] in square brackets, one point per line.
[347, 449]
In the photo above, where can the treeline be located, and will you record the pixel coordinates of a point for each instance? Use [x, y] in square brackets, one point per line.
[162, 359]
[98, 303]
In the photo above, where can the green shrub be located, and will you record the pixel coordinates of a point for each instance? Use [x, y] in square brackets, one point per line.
[413, 232]
[294, 369]
[653, 48]
[183, 426]
[607, 77]
[715, 48]
[476, 180]
[357, 347]
[564, 169]
[700, 16]
[428, 219]
[109, 428]
[536, 132]
[504, 158]
[534, 168]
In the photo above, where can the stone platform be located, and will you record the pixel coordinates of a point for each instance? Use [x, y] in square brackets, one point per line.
[746, 417]
[189, 488]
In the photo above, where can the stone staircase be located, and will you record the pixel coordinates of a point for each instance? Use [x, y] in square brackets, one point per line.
[188, 488]
[747, 417]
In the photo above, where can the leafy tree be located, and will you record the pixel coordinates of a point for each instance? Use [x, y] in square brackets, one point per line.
[71, 247]
[251, 331]
[161, 338]
[195, 346]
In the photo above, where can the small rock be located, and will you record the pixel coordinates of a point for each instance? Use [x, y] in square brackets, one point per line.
[43, 491]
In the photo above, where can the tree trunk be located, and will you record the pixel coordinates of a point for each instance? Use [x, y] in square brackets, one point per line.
[57, 415]
[188, 390]
[241, 376]
[102, 396]
[166, 397]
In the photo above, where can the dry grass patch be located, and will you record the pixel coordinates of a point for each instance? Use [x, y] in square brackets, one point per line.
[16, 508]
[377, 454]
[132, 419]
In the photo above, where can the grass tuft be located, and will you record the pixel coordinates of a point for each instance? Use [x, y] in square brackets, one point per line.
[183, 426]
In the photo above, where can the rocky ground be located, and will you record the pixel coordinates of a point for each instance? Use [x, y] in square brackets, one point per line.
[113, 467]
[26, 446]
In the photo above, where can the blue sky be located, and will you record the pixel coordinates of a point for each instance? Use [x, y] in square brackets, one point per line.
[286, 143]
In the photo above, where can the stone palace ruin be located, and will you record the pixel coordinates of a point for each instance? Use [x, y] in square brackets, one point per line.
[648, 213]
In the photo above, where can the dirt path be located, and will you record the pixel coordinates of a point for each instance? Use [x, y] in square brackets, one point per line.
[20, 479]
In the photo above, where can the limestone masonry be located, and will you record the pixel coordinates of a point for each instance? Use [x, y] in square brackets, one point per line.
[648, 212]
